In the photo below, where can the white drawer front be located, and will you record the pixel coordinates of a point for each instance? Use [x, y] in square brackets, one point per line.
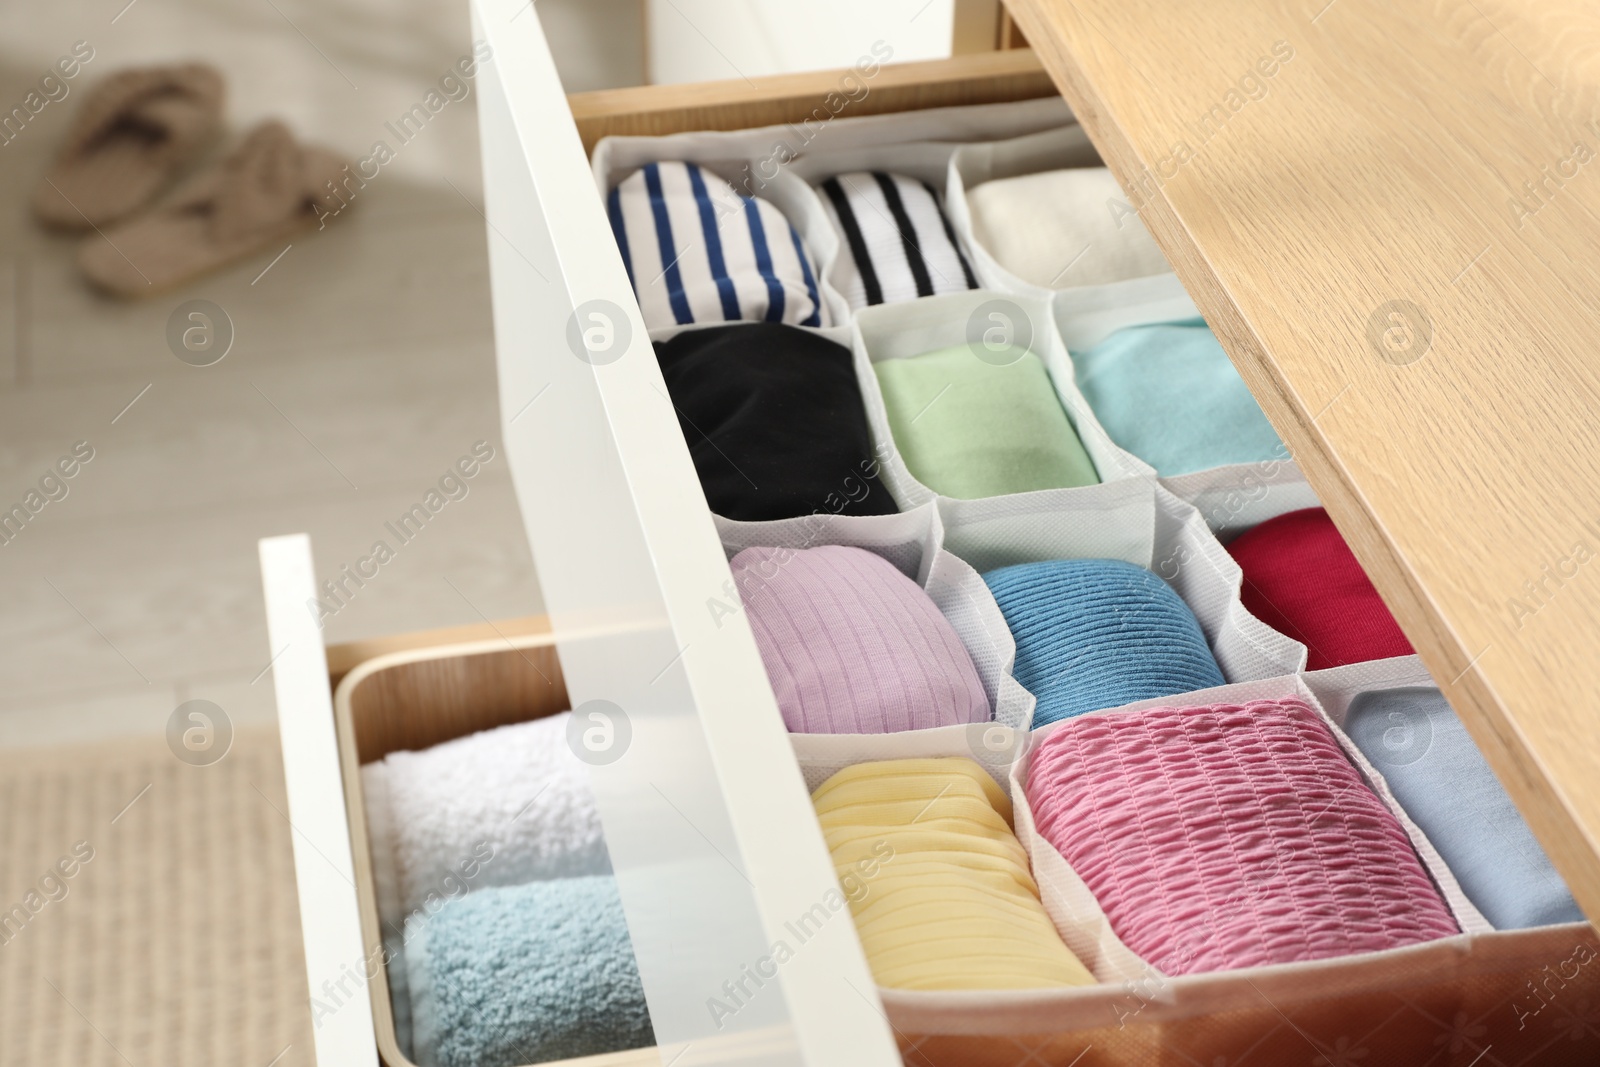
[708, 821]
[330, 918]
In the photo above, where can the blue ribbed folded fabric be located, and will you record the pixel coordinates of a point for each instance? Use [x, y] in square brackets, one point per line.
[1099, 633]
[1168, 394]
[1441, 780]
[524, 974]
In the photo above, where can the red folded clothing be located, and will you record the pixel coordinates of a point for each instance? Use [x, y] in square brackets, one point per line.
[1301, 579]
[1232, 835]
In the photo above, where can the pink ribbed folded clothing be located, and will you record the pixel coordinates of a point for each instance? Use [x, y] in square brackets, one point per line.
[1229, 836]
[852, 646]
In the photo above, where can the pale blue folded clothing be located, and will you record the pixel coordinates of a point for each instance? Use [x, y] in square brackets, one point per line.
[1441, 780]
[524, 974]
[1168, 394]
[1099, 633]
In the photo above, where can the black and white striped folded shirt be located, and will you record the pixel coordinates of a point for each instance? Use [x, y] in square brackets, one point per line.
[896, 243]
[698, 251]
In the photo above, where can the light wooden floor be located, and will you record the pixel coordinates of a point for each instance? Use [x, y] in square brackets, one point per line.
[362, 368]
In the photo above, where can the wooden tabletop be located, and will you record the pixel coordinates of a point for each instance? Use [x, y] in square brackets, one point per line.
[1390, 214]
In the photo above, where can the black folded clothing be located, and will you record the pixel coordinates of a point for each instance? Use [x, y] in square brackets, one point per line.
[774, 421]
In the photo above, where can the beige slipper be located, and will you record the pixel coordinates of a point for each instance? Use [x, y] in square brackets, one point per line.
[132, 136]
[270, 187]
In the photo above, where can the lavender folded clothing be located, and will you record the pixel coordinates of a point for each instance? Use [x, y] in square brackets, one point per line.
[853, 646]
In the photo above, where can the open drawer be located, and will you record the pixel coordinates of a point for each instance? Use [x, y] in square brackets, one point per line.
[711, 833]
[1523, 993]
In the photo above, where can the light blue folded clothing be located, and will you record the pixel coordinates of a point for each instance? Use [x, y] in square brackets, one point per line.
[1168, 394]
[524, 974]
[1441, 780]
[1099, 633]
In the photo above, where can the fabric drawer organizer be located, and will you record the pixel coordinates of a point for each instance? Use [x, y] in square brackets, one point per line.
[937, 153]
[939, 546]
[1169, 526]
[1137, 1008]
[944, 543]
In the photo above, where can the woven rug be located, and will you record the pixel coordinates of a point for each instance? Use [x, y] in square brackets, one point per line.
[178, 941]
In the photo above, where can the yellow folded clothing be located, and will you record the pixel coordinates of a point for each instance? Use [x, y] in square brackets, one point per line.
[953, 906]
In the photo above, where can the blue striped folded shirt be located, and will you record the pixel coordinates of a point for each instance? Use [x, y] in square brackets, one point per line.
[698, 251]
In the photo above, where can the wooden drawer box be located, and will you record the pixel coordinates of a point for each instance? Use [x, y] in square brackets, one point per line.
[481, 678]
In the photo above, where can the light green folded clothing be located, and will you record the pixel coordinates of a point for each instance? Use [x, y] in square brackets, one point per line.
[970, 428]
[1168, 394]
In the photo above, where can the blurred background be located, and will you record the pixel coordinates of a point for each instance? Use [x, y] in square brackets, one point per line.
[361, 368]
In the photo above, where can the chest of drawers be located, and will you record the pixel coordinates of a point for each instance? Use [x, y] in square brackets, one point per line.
[1289, 225]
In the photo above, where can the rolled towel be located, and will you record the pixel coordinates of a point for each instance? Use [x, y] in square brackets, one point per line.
[501, 807]
[1169, 394]
[1441, 780]
[1234, 835]
[775, 423]
[1099, 633]
[1063, 228]
[969, 428]
[698, 251]
[895, 242]
[525, 974]
[1301, 579]
[852, 646]
[938, 884]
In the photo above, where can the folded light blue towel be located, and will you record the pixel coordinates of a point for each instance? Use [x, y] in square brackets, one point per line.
[524, 974]
[1168, 394]
[1099, 633]
[1441, 780]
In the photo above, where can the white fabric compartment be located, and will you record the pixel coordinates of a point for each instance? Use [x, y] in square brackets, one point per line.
[991, 745]
[1337, 687]
[903, 249]
[1231, 496]
[927, 161]
[768, 149]
[924, 161]
[767, 162]
[1085, 928]
[616, 158]
[1088, 314]
[1137, 521]
[1078, 917]
[911, 542]
[1238, 496]
[976, 164]
[1193, 562]
[902, 331]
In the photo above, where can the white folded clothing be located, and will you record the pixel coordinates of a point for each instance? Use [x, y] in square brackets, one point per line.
[502, 807]
[1063, 228]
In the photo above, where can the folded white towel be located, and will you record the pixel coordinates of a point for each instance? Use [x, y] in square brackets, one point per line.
[497, 808]
[1063, 228]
